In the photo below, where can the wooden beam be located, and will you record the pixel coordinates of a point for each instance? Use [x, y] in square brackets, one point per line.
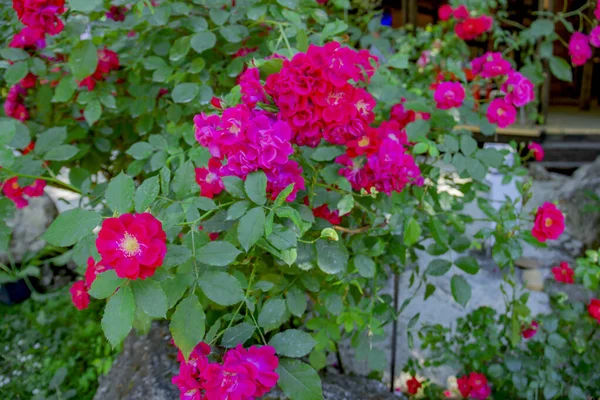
[404, 12]
[413, 11]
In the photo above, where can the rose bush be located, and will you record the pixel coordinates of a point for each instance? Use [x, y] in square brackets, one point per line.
[259, 169]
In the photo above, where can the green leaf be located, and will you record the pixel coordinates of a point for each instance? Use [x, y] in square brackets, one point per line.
[84, 5]
[326, 153]
[299, 381]
[237, 210]
[15, 73]
[179, 49]
[188, 324]
[233, 33]
[222, 288]
[234, 186]
[332, 257]
[8, 130]
[438, 267]
[176, 255]
[296, 301]
[293, 4]
[61, 153]
[429, 290]
[272, 314]
[150, 297]
[542, 27]
[185, 92]
[71, 226]
[476, 169]
[118, 316]
[203, 41]
[119, 193]
[49, 139]
[399, 60]
[140, 150]
[468, 145]
[256, 187]
[418, 130]
[283, 238]
[251, 227]
[345, 205]
[282, 196]
[218, 254]
[467, 264]
[365, 266]
[491, 157]
[83, 59]
[146, 193]
[301, 40]
[238, 334]
[333, 28]
[5, 233]
[105, 284]
[461, 290]
[561, 69]
[292, 343]
[412, 232]
[13, 54]
[184, 181]
[218, 16]
[92, 112]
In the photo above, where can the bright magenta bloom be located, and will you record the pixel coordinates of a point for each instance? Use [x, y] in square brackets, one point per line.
[474, 386]
[594, 309]
[530, 331]
[79, 295]
[537, 150]
[595, 35]
[445, 12]
[519, 90]
[491, 65]
[502, 113]
[92, 271]
[133, 244]
[209, 180]
[549, 223]
[16, 193]
[252, 90]
[449, 95]
[564, 273]
[473, 27]
[260, 361]
[579, 48]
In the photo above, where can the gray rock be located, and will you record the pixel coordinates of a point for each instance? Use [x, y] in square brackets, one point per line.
[144, 369]
[28, 225]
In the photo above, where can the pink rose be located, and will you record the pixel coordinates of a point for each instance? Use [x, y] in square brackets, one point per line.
[519, 90]
[549, 223]
[445, 12]
[579, 48]
[595, 35]
[502, 113]
[537, 150]
[448, 95]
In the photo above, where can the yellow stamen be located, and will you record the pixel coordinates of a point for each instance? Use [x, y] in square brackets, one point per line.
[548, 222]
[364, 142]
[129, 245]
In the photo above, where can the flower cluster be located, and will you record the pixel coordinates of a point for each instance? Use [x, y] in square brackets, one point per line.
[467, 26]
[79, 291]
[14, 106]
[519, 90]
[474, 386]
[250, 140]
[40, 17]
[18, 194]
[448, 95]
[315, 98]
[108, 61]
[549, 223]
[133, 244]
[244, 374]
[378, 160]
[564, 273]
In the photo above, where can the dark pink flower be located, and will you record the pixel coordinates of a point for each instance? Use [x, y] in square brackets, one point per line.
[594, 309]
[252, 90]
[261, 362]
[595, 35]
[502, 113]
[564, 273]
[116, 13]
[473, 27]
[445, 12]
[530, 331]
[449, 95]
[479, 387]
[463, 386]
[132, 244]
[36, 189]
[229, 382]
[549, 223]
[519, 90]
[29, 37]
[491, 65]
[92, 271]
[323, 212]
[413, 385]
[209, 180]
[537, 151]
[79, 295]
[579, 48]
[461, 12]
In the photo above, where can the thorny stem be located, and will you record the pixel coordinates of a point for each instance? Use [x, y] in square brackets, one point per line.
[350, 230]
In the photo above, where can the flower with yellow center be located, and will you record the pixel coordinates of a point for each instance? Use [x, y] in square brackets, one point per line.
[548, 222]
[129, 245]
